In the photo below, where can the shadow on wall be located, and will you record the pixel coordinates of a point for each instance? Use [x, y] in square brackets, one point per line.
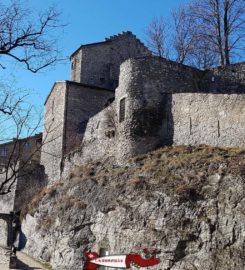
[167, 132]
[216, 82]
[153, 123]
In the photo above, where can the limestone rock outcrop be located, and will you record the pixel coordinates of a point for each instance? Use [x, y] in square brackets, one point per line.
[186, 201]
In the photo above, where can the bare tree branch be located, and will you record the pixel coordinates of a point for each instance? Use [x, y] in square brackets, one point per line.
[157, 34]
[28, 38]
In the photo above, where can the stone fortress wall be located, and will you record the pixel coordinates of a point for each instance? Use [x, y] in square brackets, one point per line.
[157, 102]
[165, 103]
[168, 103]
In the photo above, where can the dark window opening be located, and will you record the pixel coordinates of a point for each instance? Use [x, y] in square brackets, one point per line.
[102, 79]
[122, 108]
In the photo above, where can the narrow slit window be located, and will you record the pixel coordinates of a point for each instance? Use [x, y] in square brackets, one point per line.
[73, 64]
[122, 108]
[218, 128]
[190, 126]
[53, 106]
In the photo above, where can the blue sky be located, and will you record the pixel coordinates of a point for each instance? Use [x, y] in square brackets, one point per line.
[87, 21]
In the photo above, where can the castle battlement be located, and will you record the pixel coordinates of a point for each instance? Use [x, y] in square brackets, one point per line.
[120, 35]
[98, 63]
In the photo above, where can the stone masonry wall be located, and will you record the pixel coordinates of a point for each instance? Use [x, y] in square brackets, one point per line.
[83, 102]
[159, 104]
[213, 119]
[99, 142]
[233, 72]
[7, 200]
[30, 180]
[165, 103]
[228, 79]
[52, 149]
[68, 108]
[99, 63]
[76, 66]
[145, 83]
[4, 257]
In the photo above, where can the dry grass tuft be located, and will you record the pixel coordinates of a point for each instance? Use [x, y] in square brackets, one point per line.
[176, 170]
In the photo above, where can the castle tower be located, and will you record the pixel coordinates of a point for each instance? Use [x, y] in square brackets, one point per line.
[99, 63]
[67, 110]
[160, 102]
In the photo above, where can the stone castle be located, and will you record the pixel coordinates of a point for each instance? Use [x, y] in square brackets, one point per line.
[122, 101]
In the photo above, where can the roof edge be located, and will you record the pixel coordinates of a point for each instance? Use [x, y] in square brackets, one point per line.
[77, 83]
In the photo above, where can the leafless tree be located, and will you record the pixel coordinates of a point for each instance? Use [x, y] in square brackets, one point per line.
[28, 38]
[203, 33]
[156, 36]
[18, 118]
[221, 23]
[184, 34]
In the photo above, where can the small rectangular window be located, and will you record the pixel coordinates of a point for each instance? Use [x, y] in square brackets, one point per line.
[122, 107]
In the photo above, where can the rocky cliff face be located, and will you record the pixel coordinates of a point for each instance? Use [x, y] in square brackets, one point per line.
[186, 201]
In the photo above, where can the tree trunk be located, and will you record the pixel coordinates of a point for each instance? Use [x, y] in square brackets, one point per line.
[218, 31]
[226, 32]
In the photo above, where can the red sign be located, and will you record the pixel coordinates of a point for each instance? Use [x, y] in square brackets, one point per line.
[93, 261]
